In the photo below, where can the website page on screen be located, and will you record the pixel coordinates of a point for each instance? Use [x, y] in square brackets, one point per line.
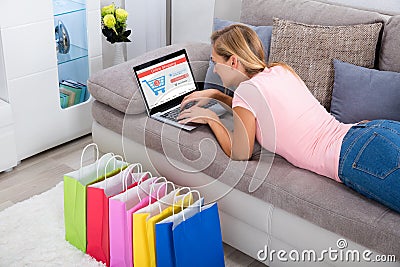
[166, 80]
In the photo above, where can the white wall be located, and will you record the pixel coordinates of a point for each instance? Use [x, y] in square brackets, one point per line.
[148, 20]
[228, 9]
[191, 20]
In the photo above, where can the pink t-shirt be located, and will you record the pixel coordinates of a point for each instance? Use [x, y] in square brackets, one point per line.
[291, 122]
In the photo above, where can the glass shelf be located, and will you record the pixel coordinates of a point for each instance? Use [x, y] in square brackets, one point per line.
[74, 53]
[70, 20]
[62, 7]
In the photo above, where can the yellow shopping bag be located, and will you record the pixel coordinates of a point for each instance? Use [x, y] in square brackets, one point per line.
[141, 255]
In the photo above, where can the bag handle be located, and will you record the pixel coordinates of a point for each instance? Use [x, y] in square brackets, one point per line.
[179, 190]
[129, 172]
[114, 157]
[175, 195]
[144, 174]
[125, 179]
[83, 153]
[166, 190]
[152, 185]
[84, 150]
[100, 159]
[139, 186]
[198, 193]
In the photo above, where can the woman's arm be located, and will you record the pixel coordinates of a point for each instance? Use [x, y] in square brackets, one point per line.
[238, 144]
[224, 98]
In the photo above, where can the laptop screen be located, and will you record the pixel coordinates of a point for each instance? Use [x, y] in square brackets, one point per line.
[165, 79]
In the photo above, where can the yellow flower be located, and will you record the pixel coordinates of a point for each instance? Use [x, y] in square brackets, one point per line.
[121, 15]
[107, 10]
[109, 21]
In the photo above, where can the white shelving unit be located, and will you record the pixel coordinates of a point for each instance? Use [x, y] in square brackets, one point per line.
[8, 152]
[31, 71]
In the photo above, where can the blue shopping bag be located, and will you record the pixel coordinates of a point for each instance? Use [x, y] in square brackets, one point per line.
[165, 256]
[165, 253]
[198, 240]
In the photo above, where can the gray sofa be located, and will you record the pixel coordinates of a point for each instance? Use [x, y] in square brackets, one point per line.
[266, 201]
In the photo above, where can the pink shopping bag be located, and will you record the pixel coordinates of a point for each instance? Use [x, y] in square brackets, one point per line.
[121, 208]
[97, 210]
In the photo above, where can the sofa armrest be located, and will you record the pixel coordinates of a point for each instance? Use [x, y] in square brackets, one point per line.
[117, 87]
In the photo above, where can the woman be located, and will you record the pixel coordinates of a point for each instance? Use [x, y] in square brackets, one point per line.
[272, 104]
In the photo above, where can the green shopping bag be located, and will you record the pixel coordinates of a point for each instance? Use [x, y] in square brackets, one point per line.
[75, 184]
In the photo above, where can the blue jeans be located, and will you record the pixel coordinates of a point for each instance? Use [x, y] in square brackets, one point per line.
[369, 161]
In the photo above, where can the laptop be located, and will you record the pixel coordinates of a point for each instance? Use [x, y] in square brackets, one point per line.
[164, 82]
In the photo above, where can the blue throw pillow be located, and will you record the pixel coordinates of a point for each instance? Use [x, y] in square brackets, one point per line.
[364, 94]
[264, 33]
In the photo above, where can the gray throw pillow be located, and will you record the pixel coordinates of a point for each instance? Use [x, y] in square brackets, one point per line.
[364, 94]
[310, 49]
[212, 79]
[389, 58]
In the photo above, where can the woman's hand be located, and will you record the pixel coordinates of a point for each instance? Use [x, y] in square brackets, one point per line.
[363, 121]
[200, 97]
[197, 114]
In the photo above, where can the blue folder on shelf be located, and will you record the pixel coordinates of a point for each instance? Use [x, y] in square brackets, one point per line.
[64, 100]
[78, 88]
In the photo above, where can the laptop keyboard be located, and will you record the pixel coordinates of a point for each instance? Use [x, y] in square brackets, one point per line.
[210, 103]
[174, 113]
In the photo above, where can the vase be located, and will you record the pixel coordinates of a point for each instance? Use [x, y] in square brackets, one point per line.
[62, 38]
[119, 56]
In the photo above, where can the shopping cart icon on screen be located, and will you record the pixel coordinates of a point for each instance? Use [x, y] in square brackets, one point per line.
[157, 84]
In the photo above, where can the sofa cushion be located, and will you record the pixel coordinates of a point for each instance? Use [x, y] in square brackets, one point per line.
[389, 8]
[266, 176]
[364, 94]
[261, 12]
[389, 58]
[117, 87]
[264, 33]
[310, 49]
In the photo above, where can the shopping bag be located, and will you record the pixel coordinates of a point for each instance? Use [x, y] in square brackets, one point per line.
[75, 184]
[198, 240]
[143, 203]
[98, 194]
[165, 252]
[178, 204]
[141, 256]
[121, 208]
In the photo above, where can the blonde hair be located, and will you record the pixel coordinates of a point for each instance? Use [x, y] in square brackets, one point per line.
[242, 41]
